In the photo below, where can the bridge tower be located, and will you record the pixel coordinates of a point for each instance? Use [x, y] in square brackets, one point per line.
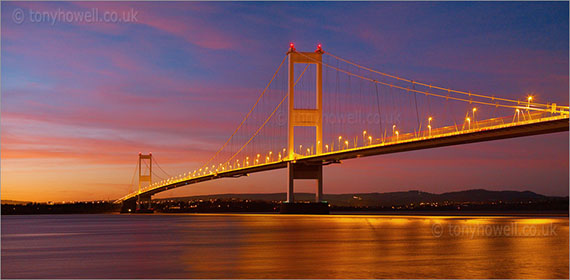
[144, 201]
[305, 117]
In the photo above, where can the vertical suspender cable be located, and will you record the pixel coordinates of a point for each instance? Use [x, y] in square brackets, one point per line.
[416, 103]
[379, 115]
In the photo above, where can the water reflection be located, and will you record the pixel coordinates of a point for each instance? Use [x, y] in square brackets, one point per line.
[279, 246]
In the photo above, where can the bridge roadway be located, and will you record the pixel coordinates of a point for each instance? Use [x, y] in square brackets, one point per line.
[553, 124]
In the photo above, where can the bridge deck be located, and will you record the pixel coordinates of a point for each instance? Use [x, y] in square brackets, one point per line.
[405, 143]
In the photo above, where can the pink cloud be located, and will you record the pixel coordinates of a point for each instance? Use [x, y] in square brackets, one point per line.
[193, 29]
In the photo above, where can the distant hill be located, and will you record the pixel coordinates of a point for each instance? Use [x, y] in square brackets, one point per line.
[15, 202]
[388, 198]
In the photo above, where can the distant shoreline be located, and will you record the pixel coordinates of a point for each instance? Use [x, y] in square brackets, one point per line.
[462, 203]
[443, 213]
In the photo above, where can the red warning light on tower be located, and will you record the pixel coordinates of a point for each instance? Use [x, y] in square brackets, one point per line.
[319, 48]
[291, 47]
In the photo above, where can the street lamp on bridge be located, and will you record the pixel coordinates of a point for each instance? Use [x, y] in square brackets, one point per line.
[429, 125]
[529, 99]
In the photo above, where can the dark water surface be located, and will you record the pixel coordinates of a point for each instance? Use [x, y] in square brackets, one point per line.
[281, 246]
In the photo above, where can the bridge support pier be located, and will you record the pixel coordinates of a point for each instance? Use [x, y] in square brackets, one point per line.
[307, 172]
[140, 204]
[144, 204]
[304, 172]
[129, 205]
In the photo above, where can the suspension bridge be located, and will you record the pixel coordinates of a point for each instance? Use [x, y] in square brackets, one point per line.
[321, 109]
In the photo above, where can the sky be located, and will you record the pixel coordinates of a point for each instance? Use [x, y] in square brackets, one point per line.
[81, 99]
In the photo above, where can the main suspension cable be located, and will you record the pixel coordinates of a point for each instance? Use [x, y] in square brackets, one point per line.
[159, 167]
[437, 87]
[432, 94]
[247, 115]
[267, 120]
[134, 174]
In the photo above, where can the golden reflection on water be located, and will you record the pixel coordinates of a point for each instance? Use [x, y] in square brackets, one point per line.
[351, 246]
[283, 246]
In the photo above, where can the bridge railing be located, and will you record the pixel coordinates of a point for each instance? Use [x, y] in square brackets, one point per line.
[467, 126]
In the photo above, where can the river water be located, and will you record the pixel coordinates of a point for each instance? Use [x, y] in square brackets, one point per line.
[283, 246]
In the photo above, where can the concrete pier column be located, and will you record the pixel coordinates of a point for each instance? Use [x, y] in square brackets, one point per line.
[304, 172]
[291, 183]
[144, 204]
[319, 192]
